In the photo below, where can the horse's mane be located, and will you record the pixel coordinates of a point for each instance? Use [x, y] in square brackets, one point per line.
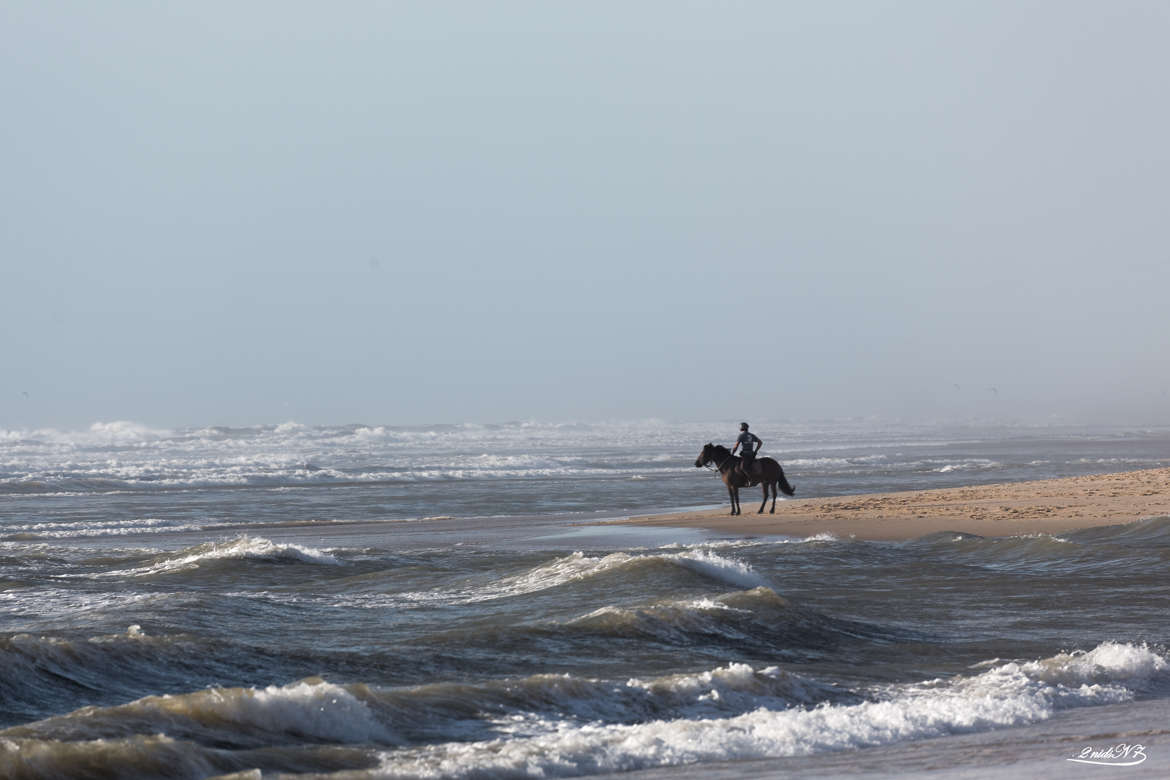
[719, 449]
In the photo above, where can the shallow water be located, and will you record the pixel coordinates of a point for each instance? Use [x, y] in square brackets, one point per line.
[181, 604]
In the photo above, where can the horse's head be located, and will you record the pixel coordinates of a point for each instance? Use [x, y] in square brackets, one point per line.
[705, 456]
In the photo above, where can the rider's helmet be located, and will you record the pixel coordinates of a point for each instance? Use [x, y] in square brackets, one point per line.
[743, 426]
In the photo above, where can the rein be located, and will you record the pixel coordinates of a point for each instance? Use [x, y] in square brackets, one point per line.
[718, 466]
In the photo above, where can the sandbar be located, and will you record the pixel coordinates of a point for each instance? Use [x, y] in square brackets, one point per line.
[1050, 506]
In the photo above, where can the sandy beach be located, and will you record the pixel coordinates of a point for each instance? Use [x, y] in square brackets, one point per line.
[1010, 509]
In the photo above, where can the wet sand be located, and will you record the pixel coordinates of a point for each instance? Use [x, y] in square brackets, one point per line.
[1047, 506]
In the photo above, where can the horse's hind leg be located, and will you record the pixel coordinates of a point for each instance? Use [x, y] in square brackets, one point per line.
[765, 501]
[773, 509]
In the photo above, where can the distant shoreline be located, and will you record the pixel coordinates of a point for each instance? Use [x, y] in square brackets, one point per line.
[1048, 506]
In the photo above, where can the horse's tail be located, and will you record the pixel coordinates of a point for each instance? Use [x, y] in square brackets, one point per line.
[785, 488]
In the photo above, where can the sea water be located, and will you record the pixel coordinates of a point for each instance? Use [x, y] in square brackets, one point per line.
[441, 601]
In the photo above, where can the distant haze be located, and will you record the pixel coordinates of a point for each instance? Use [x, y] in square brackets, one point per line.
[243, 213]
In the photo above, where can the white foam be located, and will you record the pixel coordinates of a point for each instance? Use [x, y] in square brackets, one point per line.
[1048, 537]
[241, 548]
[737, 687]
[570, 568]
[969, 465]
[579, 566]
[731, 544]
[88, 528]
[834, 463]
[1006, 695]
[111, 456]
[715, 544]
[516, 706]
[719, 568]
[667, 617]
[308, 709]
[124, 430]
[321, 710]
[44, 604]
[1108, 661]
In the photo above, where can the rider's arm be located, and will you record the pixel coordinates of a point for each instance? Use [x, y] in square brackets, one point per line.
[759, 443]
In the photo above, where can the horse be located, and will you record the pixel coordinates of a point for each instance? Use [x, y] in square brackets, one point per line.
[767, 472]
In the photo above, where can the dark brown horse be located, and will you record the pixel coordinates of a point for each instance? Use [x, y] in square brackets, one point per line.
[766, 472]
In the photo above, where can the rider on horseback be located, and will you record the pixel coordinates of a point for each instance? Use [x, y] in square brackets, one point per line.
[747, 440]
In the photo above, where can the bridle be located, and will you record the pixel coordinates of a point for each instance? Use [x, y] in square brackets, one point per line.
[718, 466]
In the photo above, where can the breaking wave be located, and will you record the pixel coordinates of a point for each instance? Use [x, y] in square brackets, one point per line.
[565, 725]
[243, 548]
[580, 567]
[759, 619]
[1006, 695]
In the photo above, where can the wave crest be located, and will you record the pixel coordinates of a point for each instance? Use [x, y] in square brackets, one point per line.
[242, 548]
[311, 710]
[561, 725]
[1006, 695]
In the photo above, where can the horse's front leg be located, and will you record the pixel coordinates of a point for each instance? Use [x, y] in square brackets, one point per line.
[733, 493]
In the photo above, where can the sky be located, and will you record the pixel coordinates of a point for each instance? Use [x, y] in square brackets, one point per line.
[414, 212]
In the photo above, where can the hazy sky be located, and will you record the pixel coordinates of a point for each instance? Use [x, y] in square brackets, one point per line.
[402, 212]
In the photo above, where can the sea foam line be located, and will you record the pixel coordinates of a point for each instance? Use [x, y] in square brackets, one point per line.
[1007, 695]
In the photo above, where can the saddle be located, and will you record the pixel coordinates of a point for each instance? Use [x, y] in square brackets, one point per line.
[752, 473]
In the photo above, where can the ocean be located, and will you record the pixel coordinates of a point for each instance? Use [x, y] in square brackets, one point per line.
[360, 601]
